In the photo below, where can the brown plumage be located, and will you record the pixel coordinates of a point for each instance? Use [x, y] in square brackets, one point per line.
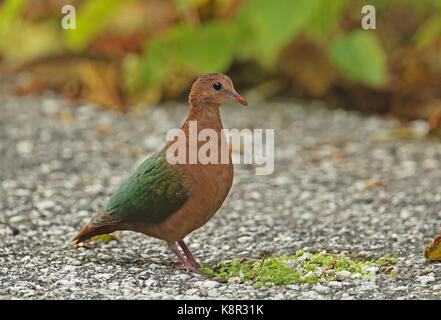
[176, 198]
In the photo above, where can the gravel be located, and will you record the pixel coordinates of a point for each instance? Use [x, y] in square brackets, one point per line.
[60, 164]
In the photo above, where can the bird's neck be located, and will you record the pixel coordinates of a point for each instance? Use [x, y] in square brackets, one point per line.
[202, 119]
[206, 117]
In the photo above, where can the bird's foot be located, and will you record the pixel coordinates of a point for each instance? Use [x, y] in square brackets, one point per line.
[190, 264]
[197, 271]
[188, 268]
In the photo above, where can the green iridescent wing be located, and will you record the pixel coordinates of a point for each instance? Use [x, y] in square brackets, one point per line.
[151, 194]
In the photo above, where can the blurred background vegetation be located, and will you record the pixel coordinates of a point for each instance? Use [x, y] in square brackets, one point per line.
[123, 52]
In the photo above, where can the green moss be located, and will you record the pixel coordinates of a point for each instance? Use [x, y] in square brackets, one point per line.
[310, 266]
[322, 259]
[302, 267]
[387, 259]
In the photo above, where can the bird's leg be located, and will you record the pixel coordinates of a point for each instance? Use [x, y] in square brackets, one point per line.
[188, 266]
[188, 254]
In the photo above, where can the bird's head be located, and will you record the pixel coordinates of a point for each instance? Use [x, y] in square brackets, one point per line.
[214, 89]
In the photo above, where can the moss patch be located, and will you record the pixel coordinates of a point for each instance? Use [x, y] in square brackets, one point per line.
[303, 268]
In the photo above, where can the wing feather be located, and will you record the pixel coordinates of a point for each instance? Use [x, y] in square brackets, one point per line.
[153, 192]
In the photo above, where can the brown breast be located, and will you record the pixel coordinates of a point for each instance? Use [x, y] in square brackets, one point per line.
[208, 185]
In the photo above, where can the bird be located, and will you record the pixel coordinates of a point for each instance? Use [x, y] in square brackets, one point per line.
[168, 199]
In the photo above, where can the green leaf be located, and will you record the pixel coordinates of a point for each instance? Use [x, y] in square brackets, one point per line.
[106, 237]
[91, 19]
[268, 26]
[325, 17]
[21, 42]
[359, 56]
[428, 32]
[209, 48]
[154, 63]
[10, 12]
[185, 4]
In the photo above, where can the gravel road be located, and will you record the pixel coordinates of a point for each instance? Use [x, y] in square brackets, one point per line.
[59, 164]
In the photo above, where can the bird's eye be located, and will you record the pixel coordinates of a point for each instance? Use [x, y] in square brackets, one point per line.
[217, 86]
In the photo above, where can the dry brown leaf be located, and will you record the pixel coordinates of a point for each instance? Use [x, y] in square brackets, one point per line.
[136, 151]
[103, 128]
[374, 184]
[96, 80]
[433, 250]
[101, 84]
[338, 156]
[65, 116]
[314, 74]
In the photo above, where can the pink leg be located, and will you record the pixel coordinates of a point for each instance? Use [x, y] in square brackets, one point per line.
[188, 266]
[188, 254]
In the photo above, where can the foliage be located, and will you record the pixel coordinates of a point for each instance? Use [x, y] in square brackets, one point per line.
[359, 55]
[18, 40]
[303, 268]
[90, 21]
[259, 31]
[266, 27]
[315, 48]
[10, 11]
[186, 47]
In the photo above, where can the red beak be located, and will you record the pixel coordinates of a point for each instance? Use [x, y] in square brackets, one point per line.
[236, 97]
